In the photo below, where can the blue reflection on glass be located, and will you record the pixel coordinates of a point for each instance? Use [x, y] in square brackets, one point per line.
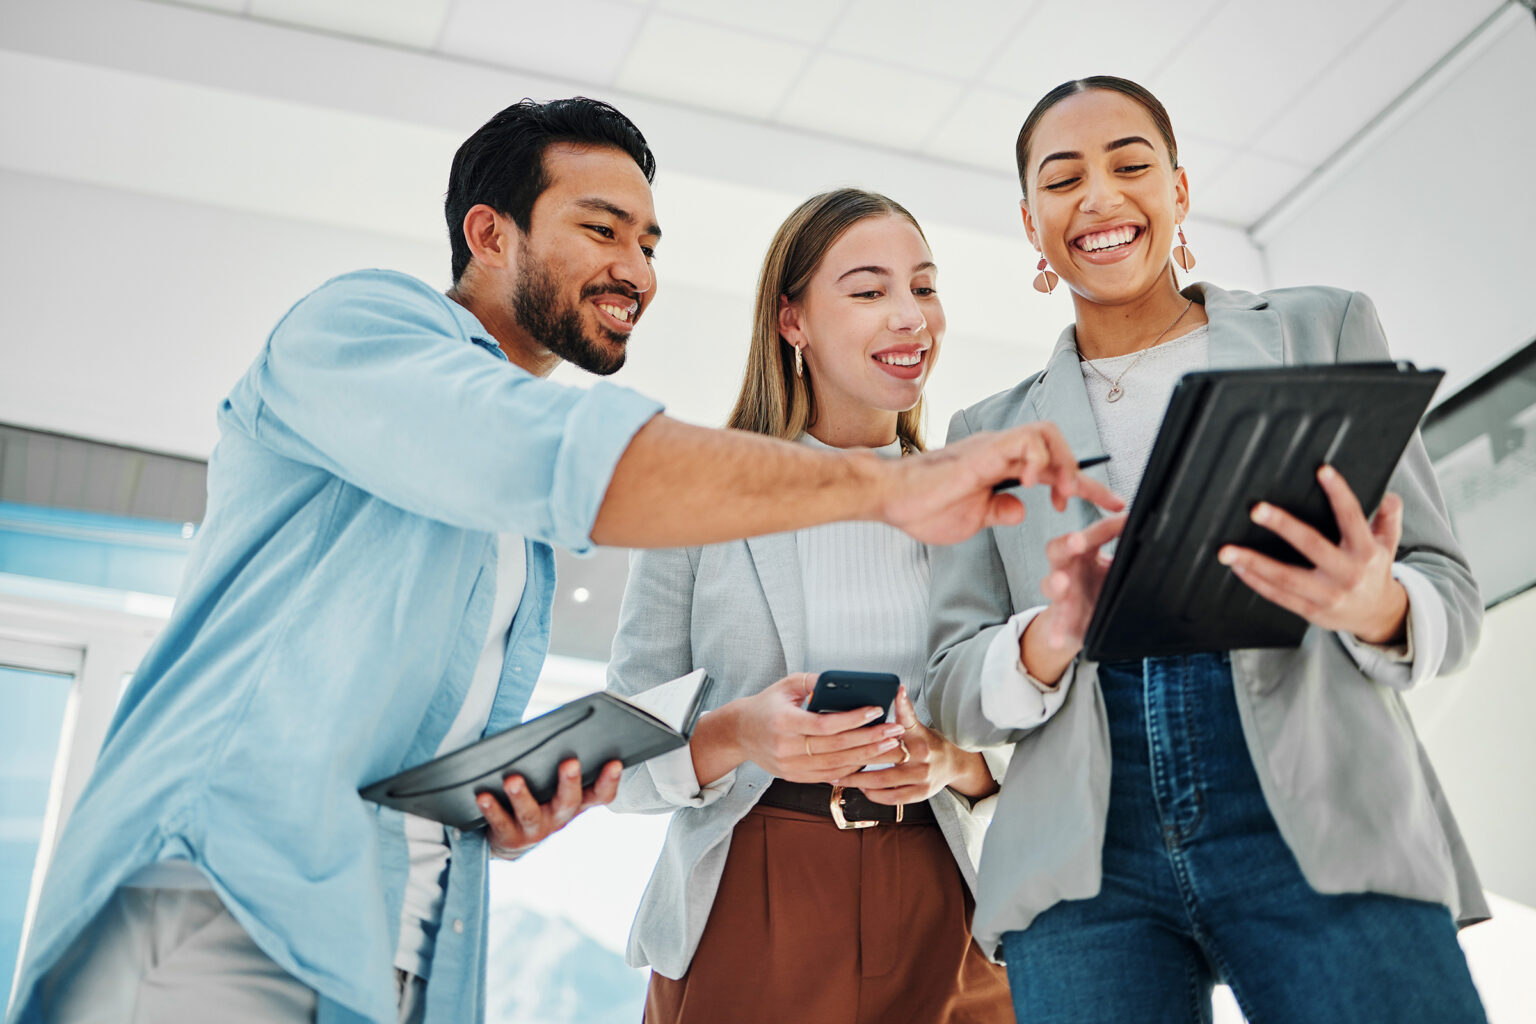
[29, 739]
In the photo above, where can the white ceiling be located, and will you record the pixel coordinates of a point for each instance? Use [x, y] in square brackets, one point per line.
[255, 147]
[1269, 90]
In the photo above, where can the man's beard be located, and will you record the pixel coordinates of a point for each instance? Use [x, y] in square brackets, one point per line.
[537, 309]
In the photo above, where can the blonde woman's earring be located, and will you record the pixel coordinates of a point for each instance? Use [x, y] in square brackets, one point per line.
[799, 363]
[1181, 254]
[1045, 281]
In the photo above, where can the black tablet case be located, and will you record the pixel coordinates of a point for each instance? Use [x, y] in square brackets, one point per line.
[1230, 439]
[597, 728]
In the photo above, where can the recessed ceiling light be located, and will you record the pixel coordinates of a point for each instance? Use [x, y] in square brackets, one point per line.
[581, 595]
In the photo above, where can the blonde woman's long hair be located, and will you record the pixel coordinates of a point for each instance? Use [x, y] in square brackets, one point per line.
[773, 400]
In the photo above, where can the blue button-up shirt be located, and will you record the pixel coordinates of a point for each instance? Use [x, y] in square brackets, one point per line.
[326, 633]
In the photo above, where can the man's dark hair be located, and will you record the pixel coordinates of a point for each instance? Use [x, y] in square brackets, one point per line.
[502, 164]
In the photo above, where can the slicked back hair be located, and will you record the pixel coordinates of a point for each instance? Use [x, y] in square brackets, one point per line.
[1109, 83]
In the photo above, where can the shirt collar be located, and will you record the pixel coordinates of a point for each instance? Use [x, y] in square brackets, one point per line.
[892, 450]
[474, 330]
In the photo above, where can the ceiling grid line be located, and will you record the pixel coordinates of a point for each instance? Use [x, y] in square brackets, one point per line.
[815, 50]
[1344, 53]
[442, 26]
[979, 79]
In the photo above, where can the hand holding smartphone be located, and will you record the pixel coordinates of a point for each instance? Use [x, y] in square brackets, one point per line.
[841, 690]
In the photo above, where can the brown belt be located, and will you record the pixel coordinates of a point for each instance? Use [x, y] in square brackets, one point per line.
[847, 807]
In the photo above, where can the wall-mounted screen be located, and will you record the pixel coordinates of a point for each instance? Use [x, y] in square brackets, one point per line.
[1483, 443]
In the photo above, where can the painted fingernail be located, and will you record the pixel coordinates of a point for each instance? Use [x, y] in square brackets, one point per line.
[893, 730]
[870, 714]
[1261, 513]
[515, 786]
[1327, 473]
[1226, 556]
[572, 772]
[485, 803]
[887, 745]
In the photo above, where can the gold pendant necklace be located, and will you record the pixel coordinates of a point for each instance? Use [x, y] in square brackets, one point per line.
[1116, 392]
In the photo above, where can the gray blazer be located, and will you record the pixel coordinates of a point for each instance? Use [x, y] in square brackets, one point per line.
[738, 610]
[1341, 768]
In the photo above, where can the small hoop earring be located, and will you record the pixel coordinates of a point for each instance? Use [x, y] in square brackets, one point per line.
[1045, 281]
[799, 363]
[1181, 254]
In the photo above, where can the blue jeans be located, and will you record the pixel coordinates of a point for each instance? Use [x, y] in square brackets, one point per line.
[1199, 887]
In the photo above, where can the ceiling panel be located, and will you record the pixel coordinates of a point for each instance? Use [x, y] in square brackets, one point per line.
[805, 21]
[1066, 39]
[581, 40]
[231, 6]
[1247, 63]
[1203, 159]
[957, 41]
[707, 66]
[1245, 190]
[980, 129]
[877, 103]
[1369, 76]
[414, 23]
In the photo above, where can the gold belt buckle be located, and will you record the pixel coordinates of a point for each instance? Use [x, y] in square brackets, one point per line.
[836, 806]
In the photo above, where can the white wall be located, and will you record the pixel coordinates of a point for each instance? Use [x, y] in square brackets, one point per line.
[1432, 217]
[126, 317]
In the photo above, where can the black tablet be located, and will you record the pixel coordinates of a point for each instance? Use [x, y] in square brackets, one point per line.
[1230, 439]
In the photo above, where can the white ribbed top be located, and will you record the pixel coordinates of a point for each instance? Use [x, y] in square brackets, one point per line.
[1128, 427]
[421, 908]
[866, 597]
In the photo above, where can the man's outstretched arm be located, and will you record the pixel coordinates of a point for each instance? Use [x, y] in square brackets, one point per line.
[678, 484]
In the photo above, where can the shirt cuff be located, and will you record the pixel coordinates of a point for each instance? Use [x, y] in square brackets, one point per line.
[997, 759]
[1011, 698]
[1422, 652]
[676, 782]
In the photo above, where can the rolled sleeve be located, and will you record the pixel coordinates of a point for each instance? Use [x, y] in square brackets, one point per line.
[1422, 653]
[1011, 698]
[389, 385]
[676, 782]
[598, 432]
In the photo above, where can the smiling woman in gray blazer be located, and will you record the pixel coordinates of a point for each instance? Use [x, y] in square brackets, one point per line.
[1265, 818]
[762, 907]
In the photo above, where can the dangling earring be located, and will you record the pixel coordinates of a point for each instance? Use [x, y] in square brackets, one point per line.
[1045, 281]
[1181, 254]
[799, 363]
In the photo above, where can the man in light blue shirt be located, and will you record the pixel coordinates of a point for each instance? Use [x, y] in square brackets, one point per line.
[375, 463]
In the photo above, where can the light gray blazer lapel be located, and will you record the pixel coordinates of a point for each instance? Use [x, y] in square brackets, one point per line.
[1060, 396]
[777, 561]
[1245, 331]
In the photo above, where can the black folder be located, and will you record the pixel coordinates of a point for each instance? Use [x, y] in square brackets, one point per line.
[597, 728]
[1230, 439]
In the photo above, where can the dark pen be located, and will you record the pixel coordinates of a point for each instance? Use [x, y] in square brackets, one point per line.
[1011, 482]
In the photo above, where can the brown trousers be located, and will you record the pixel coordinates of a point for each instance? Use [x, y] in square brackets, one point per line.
[813, 925]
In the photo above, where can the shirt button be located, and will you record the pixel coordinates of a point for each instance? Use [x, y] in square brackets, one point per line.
[458, 926]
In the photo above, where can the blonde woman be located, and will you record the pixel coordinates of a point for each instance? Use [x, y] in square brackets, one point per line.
[761, 907]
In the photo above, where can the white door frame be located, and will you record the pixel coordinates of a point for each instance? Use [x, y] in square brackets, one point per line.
[98, 647]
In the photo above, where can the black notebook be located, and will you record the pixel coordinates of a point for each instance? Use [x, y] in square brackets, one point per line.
[1230, 439]
[597, 728]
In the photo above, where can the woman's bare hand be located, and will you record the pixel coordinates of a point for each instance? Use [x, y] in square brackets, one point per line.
[1078, 567]
[1350, 587]
[775, 732]
[931, 763]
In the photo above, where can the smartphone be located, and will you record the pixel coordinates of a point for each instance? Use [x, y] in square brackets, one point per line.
[839, 690]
